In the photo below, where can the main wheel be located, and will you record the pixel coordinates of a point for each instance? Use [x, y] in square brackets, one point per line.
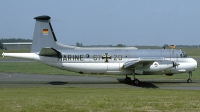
[136, 82]
[189, 81]
[128, 80]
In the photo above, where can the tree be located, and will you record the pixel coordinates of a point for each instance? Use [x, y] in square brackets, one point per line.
[166, 46]
[1, 45]
[9, 40]
[119, 45]
[79, 44]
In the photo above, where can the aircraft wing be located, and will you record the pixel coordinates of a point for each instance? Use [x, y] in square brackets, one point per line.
[142, 61]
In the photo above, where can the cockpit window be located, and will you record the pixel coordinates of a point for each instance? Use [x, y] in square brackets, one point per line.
[183, 54]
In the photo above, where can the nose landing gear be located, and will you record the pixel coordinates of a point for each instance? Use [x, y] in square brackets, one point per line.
[189, 79]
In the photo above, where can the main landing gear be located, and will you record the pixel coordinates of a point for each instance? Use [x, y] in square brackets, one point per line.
[189, 79]
[127, 79]
[135, 81]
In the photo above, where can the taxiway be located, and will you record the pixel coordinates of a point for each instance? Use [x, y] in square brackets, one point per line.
[41, 80]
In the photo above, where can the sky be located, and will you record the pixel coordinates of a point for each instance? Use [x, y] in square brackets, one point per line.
[106, 22]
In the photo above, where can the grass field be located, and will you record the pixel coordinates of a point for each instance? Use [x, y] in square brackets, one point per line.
[15, 51]
[192, 51]
[31, 67]
[66, 99]
[97, 99]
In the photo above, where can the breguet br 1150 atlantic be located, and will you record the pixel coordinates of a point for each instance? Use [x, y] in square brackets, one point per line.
[126, 60]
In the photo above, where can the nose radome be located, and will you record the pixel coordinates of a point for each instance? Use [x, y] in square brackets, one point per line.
[195, 64]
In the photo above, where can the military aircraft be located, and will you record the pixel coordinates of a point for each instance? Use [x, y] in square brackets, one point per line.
[125, 61]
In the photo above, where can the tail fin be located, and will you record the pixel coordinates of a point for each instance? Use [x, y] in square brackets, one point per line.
[43, 34]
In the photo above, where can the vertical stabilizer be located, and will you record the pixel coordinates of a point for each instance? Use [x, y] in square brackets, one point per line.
[43, 34]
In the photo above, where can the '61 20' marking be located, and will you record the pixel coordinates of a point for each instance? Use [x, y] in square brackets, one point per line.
[119, 57]
[115, 57]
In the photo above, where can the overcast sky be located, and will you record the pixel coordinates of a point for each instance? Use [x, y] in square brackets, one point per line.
[106, 22]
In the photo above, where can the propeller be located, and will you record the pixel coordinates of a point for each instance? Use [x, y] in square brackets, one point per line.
[175, 64]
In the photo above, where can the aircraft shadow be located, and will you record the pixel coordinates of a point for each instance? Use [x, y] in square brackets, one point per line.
[58, 83]
[81, 82]
[156, 83]
[142, 84]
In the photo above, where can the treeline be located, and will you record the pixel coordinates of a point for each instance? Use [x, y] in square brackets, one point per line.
[81, 45]
[10, 40]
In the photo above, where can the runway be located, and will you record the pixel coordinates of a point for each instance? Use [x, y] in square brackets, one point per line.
[41, 80]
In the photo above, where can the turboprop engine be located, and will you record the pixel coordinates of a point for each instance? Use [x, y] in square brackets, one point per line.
[157, 66]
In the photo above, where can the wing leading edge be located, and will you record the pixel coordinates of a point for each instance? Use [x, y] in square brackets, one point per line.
[142, 61]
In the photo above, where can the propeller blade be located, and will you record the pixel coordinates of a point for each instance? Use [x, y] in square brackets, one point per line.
[175, 64]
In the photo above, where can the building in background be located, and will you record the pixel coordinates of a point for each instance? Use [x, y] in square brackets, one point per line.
[18, 45]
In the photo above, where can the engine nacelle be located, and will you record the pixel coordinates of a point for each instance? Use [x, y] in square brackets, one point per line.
[157, 66]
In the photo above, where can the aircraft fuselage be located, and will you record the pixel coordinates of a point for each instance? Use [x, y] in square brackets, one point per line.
[112, 61]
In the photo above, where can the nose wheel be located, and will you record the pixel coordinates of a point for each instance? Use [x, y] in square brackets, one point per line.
[189, 79]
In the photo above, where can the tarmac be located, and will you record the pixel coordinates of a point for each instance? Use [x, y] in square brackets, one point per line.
[42, 80]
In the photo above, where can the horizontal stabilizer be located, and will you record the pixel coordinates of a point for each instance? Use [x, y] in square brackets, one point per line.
[49, 52]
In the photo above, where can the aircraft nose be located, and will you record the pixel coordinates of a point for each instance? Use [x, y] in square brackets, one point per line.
[195, 64]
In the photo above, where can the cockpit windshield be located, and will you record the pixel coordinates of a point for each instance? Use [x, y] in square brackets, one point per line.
[183, 54]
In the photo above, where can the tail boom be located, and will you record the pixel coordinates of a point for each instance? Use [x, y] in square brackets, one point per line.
[29, 56]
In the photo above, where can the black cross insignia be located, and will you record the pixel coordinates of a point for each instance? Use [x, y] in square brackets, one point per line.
[106, 56]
